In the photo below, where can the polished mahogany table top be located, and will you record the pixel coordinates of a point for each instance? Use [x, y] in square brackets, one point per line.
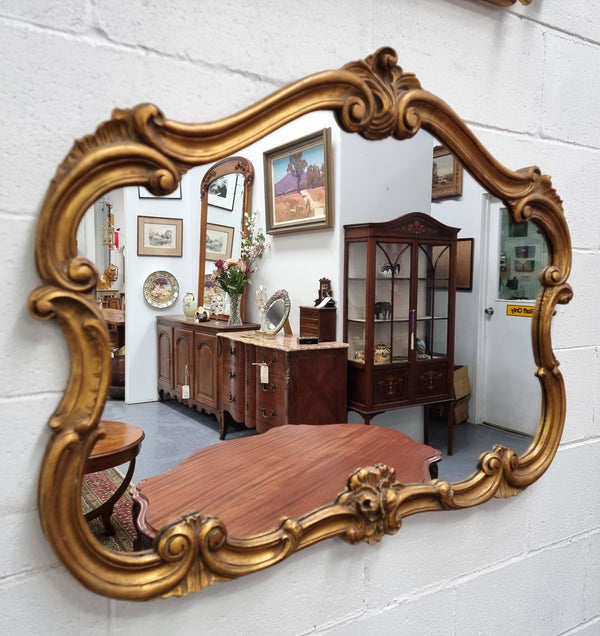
[252, 482]
[120, 444]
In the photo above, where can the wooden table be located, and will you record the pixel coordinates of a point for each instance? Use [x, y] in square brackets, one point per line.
[115, 319]
[121, 443]
[251, 483]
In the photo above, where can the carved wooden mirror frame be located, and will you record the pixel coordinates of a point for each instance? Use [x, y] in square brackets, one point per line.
[230, 165]
[376, 99]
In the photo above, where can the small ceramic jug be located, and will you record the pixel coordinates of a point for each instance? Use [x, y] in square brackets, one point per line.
[382, 353]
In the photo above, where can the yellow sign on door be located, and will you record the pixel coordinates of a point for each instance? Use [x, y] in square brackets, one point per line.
[525, 311]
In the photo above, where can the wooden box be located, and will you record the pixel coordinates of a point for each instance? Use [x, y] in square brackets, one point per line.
[319, 323]
[462, 386]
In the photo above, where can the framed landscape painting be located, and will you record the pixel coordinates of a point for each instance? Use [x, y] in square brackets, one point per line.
[158, 236]
[219, 241]
[446, 174]
[298, 193]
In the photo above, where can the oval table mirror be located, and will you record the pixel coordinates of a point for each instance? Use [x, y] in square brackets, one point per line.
[376, 99]
[277, 312]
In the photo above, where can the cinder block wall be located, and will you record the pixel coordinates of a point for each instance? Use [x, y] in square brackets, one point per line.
[527, 79]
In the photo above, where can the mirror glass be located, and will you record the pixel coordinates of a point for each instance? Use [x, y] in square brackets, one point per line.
[379, 101]
[500, 354]
[226, 199]
[277, 311]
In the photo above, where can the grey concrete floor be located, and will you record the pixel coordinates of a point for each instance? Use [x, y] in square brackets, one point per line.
[173, 432]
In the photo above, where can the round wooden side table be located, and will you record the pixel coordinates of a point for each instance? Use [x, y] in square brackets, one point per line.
[121, 443]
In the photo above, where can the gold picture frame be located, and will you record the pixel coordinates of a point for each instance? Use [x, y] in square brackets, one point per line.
[446, 174]
[298, 193]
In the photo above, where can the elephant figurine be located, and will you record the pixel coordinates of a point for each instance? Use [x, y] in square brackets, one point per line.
[383, 310]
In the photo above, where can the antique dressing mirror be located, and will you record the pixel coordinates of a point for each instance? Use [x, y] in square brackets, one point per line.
[376, 99]
[224, 174]
[277, 311]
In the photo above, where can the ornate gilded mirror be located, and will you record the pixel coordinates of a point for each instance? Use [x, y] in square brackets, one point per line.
[216, 191]
[376, 99]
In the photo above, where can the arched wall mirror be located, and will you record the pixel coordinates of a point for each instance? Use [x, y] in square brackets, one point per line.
[376, 100]
[218, 192]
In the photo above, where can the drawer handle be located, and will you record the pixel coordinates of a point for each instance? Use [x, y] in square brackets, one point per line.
[268, 417]
[231, 398]
[232, 350]
[232, 374]
[269, 389]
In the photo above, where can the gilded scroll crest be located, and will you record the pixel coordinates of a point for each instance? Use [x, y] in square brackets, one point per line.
[371, 495]
[375, 113]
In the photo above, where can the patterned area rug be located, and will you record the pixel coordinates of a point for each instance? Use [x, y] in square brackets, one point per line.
[97, 488]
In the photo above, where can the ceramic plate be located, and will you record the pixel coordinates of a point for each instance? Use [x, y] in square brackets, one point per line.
[161, 289]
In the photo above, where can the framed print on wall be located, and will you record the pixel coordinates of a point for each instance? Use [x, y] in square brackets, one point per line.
[221, 192]
[298, 193]
[447, 174]
[219, 241]
[464, 264]
[158, 236]
[144, 193]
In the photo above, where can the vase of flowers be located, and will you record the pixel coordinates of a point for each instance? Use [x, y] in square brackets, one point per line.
[232, 275]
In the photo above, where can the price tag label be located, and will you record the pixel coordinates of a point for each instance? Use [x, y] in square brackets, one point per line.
[264, 374]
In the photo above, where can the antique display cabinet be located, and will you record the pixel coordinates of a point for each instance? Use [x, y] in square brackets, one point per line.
[399, 301]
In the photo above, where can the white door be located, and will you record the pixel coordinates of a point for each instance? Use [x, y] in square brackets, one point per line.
[509, 394]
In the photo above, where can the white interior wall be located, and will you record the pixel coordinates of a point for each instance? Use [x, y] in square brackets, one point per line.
[529, 92]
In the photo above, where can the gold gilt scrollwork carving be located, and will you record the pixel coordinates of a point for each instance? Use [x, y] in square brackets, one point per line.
[376, 99]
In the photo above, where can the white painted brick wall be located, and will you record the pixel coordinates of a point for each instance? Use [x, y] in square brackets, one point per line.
[527, 80]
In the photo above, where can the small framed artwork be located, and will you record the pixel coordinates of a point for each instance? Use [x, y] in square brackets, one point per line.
[464, 264]
[158, 236]
[447, 174]
[219, 241]
[221, 192]
[144, 193]
[298, 192]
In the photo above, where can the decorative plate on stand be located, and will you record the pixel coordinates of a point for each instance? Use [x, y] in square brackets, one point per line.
[161, 289]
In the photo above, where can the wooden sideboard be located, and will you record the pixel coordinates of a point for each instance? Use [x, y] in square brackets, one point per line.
[267, 382]
[187, 357]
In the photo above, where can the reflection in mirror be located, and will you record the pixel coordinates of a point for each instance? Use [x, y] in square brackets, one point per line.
[513, 418]
[226, 198]
[376, 99]
[277, 311]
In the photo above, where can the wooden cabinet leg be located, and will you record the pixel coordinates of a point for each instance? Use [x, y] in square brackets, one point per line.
[450, 425]
[223, 424]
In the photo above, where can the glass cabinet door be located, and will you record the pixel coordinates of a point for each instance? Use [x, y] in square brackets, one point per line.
[432, 305]
[356, 300]
[392, 301]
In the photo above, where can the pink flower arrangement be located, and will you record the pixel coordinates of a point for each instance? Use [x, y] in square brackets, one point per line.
[231, 275]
